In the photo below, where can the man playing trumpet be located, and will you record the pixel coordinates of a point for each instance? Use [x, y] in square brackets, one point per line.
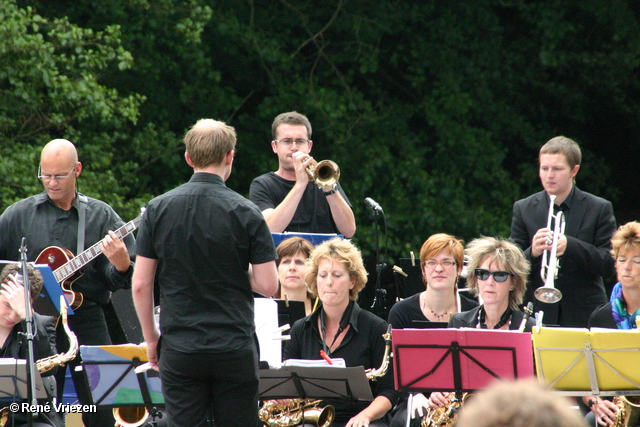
[287, 198]
[583, 249]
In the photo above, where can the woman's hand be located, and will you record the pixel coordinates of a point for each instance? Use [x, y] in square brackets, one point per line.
[360, 420]
[438, 399]
[419, 405]
[605, 412]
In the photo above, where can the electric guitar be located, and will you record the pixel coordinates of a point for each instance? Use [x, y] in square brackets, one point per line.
[65, 266]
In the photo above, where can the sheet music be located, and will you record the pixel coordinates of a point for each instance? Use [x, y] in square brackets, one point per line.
[337, 363]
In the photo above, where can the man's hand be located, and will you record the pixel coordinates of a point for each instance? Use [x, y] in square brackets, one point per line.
[541, 242]
[116, 251]
[300, 163]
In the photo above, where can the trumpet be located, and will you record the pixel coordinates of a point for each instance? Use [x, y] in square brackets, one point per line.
[325, 173]
[550, 266]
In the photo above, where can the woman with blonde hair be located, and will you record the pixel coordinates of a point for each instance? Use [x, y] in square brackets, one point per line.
[498, 275]
[339, 328]
[623, 308]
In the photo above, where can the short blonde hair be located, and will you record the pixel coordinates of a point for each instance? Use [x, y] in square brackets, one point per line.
[522, 403]
[626, 238]
[508, 256]
[341, 250]
[208, 141]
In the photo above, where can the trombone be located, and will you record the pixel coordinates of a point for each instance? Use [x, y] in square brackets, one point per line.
[550, 266]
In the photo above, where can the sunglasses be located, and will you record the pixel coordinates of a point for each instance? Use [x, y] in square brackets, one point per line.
[498, 276]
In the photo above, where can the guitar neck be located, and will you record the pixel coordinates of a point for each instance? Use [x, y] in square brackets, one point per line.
[65, 271]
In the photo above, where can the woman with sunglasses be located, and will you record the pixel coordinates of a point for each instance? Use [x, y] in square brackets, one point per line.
[499, 276]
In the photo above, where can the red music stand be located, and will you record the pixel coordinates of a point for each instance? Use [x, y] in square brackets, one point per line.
[459, 360]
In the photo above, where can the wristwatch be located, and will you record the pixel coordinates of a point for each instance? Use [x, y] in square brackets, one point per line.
[332, 191]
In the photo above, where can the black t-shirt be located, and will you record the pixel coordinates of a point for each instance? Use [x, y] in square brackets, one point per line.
[313, 214]
[204, 235]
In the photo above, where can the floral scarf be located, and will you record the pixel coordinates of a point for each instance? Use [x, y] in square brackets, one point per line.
[623, 319]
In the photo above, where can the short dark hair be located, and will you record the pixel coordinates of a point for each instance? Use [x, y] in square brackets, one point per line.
[290, 118]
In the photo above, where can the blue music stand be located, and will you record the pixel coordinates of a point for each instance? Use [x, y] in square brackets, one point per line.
[48, 301]
[314, 238]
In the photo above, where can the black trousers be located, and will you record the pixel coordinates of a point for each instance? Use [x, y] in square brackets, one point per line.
[196, 385]
[89, 325]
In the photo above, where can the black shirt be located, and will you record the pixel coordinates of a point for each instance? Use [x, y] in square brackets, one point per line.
[363, 345]
[44, 224]
[313, 214]
[404, 312]
[204, 236]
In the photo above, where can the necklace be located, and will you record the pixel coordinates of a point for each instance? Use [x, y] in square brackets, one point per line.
[439, 317]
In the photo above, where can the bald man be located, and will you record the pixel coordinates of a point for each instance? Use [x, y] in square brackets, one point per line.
[51, 218]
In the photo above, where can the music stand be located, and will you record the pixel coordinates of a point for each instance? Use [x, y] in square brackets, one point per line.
[13, 381]
[315, 382]
[458, 360]
[579, 362]
[112, 380]
[48, 302]
[314, 238]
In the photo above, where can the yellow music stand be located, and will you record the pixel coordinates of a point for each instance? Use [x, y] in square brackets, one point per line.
[580, 362]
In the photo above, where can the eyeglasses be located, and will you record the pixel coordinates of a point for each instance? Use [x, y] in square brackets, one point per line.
[444, 263]
[288, 141]
[47, 177]
[498, 276]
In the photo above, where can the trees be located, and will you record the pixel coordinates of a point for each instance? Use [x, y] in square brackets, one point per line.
[50, 87]
[434, 109]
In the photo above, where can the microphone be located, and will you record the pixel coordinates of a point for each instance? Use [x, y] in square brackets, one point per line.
[374, 205]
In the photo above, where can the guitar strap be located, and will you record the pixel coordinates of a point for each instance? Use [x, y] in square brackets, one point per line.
[82, 217]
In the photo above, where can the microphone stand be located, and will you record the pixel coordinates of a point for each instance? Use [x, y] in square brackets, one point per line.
[29, 321]
[379, 300]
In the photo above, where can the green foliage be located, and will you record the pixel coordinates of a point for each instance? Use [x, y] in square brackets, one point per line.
[434, 109]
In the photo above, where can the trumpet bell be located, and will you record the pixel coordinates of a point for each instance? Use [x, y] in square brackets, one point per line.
[325, 173]
[548, 294]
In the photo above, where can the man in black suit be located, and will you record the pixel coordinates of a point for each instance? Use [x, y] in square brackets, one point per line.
[583, 250]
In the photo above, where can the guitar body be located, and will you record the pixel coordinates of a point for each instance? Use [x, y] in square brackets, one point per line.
[56, 257]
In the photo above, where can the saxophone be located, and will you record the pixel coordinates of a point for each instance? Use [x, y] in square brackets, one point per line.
[275, 414]
[444, 416]
[628, 410]
[48, 363]
[297, 411]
